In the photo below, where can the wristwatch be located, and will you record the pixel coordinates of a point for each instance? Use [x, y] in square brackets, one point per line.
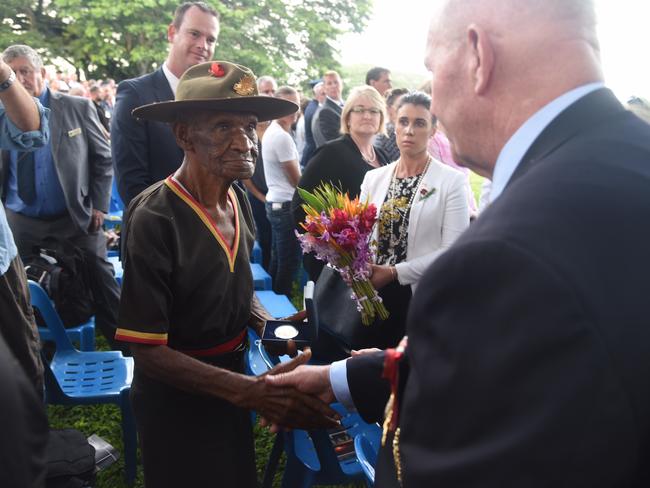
[8, 82]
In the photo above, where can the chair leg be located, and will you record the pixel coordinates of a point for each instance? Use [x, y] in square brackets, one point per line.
[274, 458]
[130, 439]
[296, 474]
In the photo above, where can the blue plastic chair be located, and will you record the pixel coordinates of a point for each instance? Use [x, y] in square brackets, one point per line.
[277, 306]
[312, 460]
[116, 203]
[256, 255]
[261, 279]
[81, 378]
[116, 208]
[84, 334]
[367, 456]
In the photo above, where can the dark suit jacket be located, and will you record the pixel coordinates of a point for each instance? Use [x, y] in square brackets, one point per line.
[310, 145]
[82, 156]
[326, 125]
[529, 340]
[144, 152]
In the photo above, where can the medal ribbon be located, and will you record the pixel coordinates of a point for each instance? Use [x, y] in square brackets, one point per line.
[392, 358]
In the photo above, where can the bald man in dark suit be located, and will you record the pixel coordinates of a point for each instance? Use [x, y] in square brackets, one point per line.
[529, 340]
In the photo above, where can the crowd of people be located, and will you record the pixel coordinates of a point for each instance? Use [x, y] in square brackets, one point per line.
[519, 335]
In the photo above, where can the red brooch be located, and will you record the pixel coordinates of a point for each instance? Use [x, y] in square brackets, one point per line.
[217, 70]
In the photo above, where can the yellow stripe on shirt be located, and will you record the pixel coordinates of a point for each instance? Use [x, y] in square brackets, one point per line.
[208, 221]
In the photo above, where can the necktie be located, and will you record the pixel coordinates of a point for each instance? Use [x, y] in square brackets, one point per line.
[25, 174]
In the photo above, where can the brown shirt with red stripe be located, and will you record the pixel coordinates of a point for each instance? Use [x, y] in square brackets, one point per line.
[183, 285]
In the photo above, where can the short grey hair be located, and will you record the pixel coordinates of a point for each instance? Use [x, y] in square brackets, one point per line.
[266, 78]
[22, 51]
[286, 91]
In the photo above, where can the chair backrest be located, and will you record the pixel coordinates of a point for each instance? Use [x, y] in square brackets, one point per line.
[53, 391]
[42, 302]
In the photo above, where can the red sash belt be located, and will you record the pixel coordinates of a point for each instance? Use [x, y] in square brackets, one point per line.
[223, 348]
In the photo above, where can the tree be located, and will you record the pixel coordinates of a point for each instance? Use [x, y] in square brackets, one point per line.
[289, 39]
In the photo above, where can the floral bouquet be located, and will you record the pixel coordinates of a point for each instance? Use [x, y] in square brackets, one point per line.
[338, 231]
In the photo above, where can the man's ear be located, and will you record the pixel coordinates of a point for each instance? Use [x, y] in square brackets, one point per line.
[182, 134]
[171, 32]
[482, 53]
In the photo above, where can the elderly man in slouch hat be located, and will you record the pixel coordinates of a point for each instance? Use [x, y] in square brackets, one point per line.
[188, 291]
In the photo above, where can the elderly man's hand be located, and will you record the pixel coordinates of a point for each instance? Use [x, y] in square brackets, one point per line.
[284, 405]
[311, 380]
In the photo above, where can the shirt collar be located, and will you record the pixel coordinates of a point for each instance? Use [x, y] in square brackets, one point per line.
[44, 97]
[517, 146]
[171, 78]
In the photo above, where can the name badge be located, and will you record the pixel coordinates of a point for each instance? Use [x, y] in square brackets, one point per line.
[74, 132]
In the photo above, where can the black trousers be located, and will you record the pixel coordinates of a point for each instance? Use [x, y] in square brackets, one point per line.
[192, 440]
[29, 232]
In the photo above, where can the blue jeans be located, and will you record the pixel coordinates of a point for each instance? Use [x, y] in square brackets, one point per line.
[285, 249]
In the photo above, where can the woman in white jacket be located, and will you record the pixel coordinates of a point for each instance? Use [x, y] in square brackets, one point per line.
[422, 209]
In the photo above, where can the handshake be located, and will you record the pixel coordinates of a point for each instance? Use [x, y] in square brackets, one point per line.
[294, 395]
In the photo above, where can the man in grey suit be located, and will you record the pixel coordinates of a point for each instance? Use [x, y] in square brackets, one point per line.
[326, 124]
[63, 189]
[145, 151]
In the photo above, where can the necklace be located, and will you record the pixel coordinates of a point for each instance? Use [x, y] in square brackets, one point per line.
[370, 159]
[401, 213]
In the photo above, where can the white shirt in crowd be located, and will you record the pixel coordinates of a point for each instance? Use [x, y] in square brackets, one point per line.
[278, 148]
[171, 78]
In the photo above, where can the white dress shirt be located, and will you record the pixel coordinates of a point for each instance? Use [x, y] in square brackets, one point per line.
[171, 78]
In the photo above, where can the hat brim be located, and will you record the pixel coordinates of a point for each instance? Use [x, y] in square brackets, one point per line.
[266, 108]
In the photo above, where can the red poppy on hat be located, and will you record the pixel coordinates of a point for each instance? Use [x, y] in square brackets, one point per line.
[217, 70]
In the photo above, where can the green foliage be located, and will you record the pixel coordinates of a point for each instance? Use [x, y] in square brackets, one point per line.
[476, 181]
[289, 39]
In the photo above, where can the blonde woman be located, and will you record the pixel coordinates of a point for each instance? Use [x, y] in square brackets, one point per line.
[345, 161]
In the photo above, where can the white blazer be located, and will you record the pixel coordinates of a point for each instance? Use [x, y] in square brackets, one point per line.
[435, 221]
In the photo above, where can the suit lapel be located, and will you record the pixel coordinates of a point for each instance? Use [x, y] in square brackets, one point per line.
[333, 105]
[587, 112]
[56, 123]
[161, 86]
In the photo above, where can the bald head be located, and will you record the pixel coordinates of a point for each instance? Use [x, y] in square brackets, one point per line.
[496, 63]
[507, 11]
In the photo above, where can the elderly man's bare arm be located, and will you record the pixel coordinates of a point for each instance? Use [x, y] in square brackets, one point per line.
[19, 105]
[283, 405]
